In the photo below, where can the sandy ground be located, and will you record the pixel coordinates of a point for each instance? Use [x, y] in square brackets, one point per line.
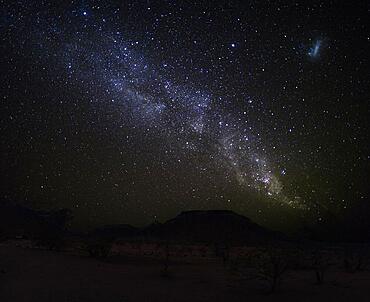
[40, 275]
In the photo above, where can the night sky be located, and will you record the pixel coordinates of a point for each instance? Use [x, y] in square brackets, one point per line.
[132, 111]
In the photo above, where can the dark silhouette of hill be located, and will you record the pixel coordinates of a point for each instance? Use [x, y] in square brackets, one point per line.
[213, 226]
[20, 221]
[220, 226]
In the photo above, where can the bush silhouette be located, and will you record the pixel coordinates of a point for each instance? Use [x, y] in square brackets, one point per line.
[272, 264]
[99, 249]
[267, 264]
[320, 264]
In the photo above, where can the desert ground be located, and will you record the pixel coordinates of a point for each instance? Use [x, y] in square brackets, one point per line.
[42, 275]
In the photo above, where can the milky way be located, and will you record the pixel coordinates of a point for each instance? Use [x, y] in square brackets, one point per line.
[170, 114]
[141, 93]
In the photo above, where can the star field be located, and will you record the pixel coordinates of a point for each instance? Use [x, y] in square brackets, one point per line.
[130, 112]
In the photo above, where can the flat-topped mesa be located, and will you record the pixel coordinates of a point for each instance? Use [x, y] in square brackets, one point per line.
[213, 226]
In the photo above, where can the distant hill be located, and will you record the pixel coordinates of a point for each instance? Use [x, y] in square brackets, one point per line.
[212, 226]
[20, 221]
